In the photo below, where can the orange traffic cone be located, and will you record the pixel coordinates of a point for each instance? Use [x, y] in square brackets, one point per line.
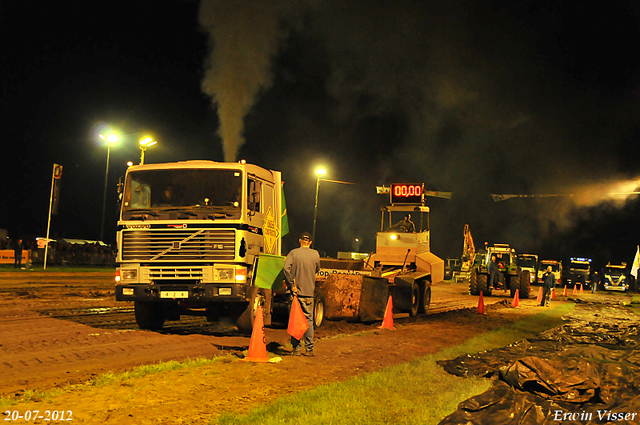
[553, 293]
[258, 343]
[387, 322]
[565, 290]
[516, 298]
[481, 304]
[539, 299]
[575, 288]
[582, 288]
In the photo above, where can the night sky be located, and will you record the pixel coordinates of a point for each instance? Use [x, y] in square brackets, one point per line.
[471, 97]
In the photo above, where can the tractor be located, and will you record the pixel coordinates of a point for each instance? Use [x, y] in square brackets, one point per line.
[511, 277]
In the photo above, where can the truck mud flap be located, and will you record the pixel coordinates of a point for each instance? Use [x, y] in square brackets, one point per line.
[373, 299]
[354, 297]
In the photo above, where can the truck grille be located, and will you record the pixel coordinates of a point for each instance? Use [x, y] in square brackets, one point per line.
[178, 244]
[173, 273]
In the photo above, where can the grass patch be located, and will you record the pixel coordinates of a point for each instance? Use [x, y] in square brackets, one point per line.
[419, 392]
[111, 378]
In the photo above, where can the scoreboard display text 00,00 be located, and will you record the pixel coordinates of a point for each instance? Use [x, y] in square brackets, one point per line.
[407, 193]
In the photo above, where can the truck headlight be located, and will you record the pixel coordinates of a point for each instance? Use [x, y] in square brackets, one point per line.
[128, 274]
[223, 274]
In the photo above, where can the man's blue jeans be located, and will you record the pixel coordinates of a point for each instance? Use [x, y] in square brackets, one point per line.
[307, 307]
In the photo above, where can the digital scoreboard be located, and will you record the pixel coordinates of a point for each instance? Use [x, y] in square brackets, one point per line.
[404, 193]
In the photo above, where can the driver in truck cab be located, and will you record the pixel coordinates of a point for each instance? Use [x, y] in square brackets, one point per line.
[405, 225]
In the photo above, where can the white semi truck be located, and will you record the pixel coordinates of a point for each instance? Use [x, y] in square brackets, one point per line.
[189, 234]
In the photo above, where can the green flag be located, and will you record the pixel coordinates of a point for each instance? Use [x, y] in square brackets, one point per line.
[270, 272]
[284, 219]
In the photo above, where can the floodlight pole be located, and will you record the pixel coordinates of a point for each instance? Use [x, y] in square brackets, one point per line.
[104, 196]
[315, 211]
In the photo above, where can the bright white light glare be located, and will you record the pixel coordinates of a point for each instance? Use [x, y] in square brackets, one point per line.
[321, 171]
[148, 141]
[393, 237]
[112, 138]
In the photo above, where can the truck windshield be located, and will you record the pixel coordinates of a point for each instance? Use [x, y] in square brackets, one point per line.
[554, 267]
[580, 266]
[613, 270]
[212, 190]
[502, 258]
[527, 261]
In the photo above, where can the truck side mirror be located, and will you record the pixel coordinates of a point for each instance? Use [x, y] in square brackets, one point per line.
[120, 188]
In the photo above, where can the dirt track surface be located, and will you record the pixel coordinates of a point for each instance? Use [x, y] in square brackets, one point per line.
[59, 329]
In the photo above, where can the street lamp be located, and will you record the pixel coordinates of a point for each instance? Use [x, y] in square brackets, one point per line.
[319, 172]
[144, 144]
[111, 139]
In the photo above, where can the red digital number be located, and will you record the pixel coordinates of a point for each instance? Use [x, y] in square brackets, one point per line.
[406, 191]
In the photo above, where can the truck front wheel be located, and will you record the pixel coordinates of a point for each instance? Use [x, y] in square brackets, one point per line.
[149, 315]
[246, 319]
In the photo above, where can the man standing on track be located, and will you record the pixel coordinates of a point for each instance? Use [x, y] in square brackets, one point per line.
[548, 285]
[300, 268]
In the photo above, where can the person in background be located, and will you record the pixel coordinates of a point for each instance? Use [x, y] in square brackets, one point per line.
[549, 282]
[494, 272]
[17, 253]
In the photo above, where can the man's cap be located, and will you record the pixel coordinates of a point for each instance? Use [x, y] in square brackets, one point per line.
[306, 236]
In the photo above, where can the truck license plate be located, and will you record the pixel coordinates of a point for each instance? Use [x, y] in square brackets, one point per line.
[174, 294]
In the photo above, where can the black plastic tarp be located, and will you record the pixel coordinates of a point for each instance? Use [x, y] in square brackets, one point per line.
[584, 372]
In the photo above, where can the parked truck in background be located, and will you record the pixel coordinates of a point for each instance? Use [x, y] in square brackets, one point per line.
[188, 236]
[452, 268]
[614, 277]
[529, 262]
[579, 272]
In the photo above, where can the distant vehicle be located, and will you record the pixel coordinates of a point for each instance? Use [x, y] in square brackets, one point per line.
[468, 256]
[529, 262]
[579, 272]
[511, 276]
[556, 268]
[452, 268]
[614, 277]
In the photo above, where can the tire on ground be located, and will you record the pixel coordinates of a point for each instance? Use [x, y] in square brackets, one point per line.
[318, 310]
[415, 299]
[425, 296]
[246, 319]
[483, 285]
[525, 284]
[473, 282]
[514, 283]
[149, 315]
